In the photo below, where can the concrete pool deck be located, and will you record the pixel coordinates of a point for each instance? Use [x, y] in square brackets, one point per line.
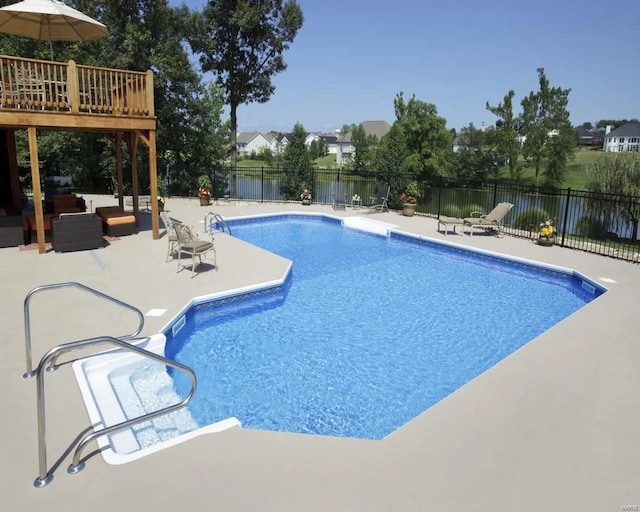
[555, 426]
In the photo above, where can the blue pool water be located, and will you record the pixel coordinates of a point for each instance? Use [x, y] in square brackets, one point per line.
[367, 333]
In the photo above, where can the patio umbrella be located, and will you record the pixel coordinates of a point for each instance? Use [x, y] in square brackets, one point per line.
[49, 20]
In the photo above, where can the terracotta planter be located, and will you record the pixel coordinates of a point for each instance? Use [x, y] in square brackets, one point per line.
[546, 241]
[408, 209]
[205, 200]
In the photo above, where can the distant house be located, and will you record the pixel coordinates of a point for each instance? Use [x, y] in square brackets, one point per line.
[377, 128]
[456, 144]
[248, 143]
[345, 149]
[592, 137]
[623, 139]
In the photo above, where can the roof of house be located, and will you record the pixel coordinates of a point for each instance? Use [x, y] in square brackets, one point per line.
[377, 128]
[626, 130]
[245, 137]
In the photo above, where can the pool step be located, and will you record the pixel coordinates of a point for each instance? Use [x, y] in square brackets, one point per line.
[146, 389]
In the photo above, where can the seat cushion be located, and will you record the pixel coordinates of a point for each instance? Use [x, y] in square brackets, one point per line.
[120, 219]
[197, 246]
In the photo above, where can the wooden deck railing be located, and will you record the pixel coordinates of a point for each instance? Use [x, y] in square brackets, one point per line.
[70, 88]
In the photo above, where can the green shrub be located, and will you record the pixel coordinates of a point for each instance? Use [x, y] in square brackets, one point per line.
[451, 210]
[466, 210]
[531, 219]
[591, 228]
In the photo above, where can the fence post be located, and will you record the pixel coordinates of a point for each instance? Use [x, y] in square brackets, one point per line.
[566, 216]
[262, 184]
[439, 181]
[495, 193]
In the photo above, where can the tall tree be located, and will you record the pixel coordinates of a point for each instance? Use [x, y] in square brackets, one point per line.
[615, 173]
[474, 160]
[243, 42]
[364, 146]
[428, 142]
[297, 165]
[392, 156]
[505, 135]
[550, 138]
[145, 34]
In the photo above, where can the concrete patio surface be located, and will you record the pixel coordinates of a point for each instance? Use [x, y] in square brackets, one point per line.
[555, 426]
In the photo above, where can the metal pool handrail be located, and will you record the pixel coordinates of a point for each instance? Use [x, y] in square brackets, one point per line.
[27, 317]
[208, 224]
[44, 476]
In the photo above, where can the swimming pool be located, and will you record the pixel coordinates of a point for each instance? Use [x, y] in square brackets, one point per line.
[118, 386]
[368, 331]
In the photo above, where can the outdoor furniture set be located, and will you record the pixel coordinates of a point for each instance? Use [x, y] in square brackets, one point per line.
[115, 221]
[487, 222]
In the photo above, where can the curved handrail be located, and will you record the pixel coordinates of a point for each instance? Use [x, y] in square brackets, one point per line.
[44, 477]
[208, 225]
[27, 317]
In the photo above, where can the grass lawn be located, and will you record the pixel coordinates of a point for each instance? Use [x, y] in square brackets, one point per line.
[576, 177]
[576, 168]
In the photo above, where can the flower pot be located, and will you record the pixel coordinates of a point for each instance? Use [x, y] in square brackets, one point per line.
[546, 241]
[408, 209]
[205, 200]
[306, 202]
[160, 206]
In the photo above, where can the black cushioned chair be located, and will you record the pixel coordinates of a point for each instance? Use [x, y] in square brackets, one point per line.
[12, 232]
[76, 232]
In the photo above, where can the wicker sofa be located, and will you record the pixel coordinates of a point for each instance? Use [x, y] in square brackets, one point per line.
[67, 203]
[76, 232]
[116, 222]
[12, 231]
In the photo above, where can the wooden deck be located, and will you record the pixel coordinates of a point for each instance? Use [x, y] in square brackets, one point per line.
[67, 95]
[48, 95]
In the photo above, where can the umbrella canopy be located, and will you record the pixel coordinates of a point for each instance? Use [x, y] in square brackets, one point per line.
[49, 20]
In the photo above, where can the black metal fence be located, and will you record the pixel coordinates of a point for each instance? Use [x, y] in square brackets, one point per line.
[600, 223]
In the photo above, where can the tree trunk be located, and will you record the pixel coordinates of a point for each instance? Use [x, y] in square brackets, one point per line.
[233, 156]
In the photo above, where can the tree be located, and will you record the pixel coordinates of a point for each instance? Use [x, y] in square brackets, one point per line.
[391, 159]
[364, 146]
[297, 165]
[616, 123]
[428, 142]
[243, 42]
[145, 34]
[615, 173]
[474, 161]
[550, 138]
[504, 137]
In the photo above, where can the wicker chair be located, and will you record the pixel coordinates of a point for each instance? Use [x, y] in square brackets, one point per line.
[172, 238]
[192, 245]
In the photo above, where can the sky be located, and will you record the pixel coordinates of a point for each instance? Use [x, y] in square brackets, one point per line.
[352, 57]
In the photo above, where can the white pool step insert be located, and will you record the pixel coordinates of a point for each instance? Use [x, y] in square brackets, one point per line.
[371, 226]
[119, 385]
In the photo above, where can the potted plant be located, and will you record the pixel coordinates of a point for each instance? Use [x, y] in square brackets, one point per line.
[409, 199]
[547, 233]
[204, 190]
[305, 196]
[162, 192]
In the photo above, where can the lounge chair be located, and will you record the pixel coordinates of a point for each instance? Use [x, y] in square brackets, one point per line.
[379, 201]
[445, 222]
[338, 196]
[193, 246]
[489, 222]
[172, 238]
